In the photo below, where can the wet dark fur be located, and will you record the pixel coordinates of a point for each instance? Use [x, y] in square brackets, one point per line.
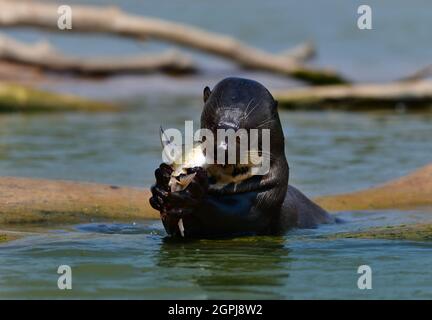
[257, 205]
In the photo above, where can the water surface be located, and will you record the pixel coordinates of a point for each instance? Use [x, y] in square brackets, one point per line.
[137, 261]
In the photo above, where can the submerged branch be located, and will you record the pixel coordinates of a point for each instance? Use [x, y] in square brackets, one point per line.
[420, 74]
[301, 52]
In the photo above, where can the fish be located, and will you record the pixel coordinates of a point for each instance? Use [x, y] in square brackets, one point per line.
[180, 179]
[220, 175]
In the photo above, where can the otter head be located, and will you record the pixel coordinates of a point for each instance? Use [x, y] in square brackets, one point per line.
[242, 105]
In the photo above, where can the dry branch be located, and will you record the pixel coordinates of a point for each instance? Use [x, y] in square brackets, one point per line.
[35, 200]
[301, 52]
[21, 98]
[44, 56]
[360, 96]
[113, 21]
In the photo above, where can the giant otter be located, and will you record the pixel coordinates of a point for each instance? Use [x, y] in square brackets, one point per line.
[255, 205]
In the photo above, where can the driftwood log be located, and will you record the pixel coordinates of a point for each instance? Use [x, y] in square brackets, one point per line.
[25, 200]
[44, 56]
[113, 21]
[18, 98]
[358, 97]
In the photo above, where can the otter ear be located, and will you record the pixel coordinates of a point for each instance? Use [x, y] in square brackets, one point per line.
[206, 94]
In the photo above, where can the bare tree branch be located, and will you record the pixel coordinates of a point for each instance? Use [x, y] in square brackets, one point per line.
[359, 96]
